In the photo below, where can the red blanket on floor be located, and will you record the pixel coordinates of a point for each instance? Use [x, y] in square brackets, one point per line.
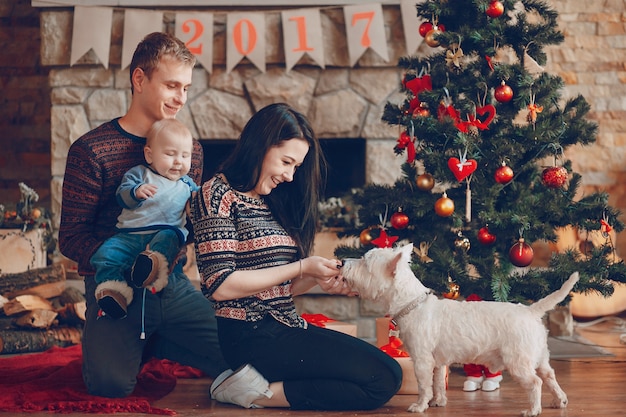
[52, 381]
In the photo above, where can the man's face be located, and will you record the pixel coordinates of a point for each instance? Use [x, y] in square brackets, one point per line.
[163, 95]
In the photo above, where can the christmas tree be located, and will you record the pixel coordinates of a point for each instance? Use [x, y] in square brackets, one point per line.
[484, 131]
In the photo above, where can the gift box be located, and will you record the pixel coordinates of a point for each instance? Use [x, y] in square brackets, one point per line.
[328, 323]
[388, 341]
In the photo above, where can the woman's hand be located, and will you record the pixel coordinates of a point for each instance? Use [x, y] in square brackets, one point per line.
[326, 275]
[336, 285]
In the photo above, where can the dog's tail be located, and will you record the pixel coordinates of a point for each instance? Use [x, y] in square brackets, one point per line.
[549, 302]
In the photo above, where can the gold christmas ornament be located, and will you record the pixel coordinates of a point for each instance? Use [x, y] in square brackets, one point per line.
[462, 242]
[453, 291]
[366, 236]
[425, 182]
[430, 37]
[444, 207]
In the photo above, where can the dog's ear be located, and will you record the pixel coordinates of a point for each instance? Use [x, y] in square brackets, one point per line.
[392, 266]
[406, 251]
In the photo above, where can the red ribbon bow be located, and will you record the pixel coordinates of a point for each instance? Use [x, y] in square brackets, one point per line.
[318, 320]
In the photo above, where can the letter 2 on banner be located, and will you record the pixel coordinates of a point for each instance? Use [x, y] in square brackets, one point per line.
[196, 30]
[92, 30]
[365, 28]
[302, 33]
[137, 24]
[245, 37]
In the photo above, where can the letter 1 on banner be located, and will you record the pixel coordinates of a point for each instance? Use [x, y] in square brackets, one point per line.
[245, 37]
[92, 30]
[137, 24]
[196, 30]
[365, 28]
[302, 33]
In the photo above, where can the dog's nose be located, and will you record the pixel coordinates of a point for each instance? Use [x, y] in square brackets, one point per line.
[345, 260]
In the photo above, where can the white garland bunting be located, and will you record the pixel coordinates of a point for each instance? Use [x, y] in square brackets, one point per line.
[245, 33]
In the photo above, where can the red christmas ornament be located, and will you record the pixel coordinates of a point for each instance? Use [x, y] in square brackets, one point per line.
[503, 93]
[399, 220]
[421, 111]
[485, 237]
[495, 9]
[424, 28]
[462, 168]
[503, 174]
[444, 206]
[384, 240]
[521, 254]
[554, 177]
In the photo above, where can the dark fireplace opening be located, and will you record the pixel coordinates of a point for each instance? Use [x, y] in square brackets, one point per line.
[345, 158]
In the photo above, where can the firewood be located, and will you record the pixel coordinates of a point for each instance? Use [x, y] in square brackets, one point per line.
[24, 341]
[72, 313]
[47, 282]
[71, 306]
[37, 319]
[26, 302]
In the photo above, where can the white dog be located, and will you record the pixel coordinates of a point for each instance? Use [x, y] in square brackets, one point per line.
[439, 332]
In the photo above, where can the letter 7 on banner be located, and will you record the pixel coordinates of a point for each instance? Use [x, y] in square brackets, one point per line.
[302, 33]
[245, 37]
[365, 29]
[196, 30]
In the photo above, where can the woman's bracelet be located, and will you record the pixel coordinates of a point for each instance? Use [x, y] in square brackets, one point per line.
[300, 269]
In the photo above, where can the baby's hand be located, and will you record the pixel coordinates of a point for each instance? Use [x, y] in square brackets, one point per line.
[145, 191]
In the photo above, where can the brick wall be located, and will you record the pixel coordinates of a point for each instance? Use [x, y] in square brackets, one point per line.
[24, 104]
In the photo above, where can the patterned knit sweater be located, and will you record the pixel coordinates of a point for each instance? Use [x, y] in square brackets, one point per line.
[234, 231]
[96, 163]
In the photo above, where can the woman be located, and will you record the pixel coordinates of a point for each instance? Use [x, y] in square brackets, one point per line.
[254, 225]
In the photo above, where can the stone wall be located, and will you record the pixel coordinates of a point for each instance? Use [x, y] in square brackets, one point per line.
[341, 101]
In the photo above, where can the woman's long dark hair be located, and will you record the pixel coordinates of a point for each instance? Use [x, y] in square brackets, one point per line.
[294, 204]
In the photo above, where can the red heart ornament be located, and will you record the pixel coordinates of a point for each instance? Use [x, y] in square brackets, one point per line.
[462, 170]
[483, 122]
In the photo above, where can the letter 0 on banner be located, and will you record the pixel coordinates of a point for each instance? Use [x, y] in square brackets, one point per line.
[365, 28]
[245, 37]
[196, 30]
[302, 33]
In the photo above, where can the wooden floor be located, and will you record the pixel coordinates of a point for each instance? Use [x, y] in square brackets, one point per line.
[596, 387]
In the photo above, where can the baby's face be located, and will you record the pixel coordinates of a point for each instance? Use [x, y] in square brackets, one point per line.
[170, 155]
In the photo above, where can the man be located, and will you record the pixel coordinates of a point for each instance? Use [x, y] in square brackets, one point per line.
[177, 323]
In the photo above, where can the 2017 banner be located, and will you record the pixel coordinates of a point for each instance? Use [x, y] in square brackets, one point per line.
[245, 33]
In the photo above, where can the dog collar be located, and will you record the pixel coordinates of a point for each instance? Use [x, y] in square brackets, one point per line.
[406, 309]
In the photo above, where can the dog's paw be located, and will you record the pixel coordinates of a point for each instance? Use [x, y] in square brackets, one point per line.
[531, 413]
[438, 401]
[559, 402]
[417, 408]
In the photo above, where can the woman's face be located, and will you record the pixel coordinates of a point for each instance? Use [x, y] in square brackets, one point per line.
[280, 164]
